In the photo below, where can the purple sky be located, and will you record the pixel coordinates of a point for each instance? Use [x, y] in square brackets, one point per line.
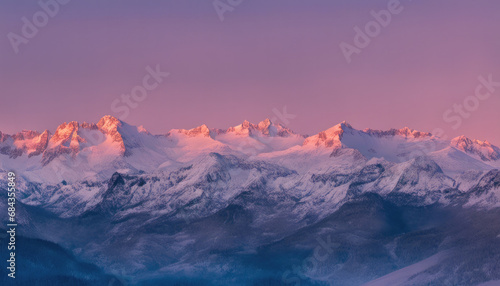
[265, 55]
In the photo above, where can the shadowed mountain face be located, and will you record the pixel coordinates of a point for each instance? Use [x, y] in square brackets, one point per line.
[41, 262]
[255, 204]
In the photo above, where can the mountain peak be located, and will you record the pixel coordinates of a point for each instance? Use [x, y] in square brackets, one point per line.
[329, 138]
[265, 127]
[142, 129]
[109, 123]
[64, 132]
[344, 124]
[201, 130]
[483, 149]
[246, 124]
[333, 137]
[264, 124]
[462, 139]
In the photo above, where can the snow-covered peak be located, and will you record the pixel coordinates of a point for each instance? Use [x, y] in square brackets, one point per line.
[27, 142]
[395, 145]
[142, 129]
[482, 149]
[64, 132]
[242, 129]
[265, 124]
[202, 131]
[109, 124]
[344, 125]
[331, 137]
[76, 136]
[334, 135]
[110, 138]
[265, 127]
[25, 135]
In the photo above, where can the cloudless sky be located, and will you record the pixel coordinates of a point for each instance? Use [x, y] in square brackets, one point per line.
[263, 56]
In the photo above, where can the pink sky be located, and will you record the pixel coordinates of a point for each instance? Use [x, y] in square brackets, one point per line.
[263, 56]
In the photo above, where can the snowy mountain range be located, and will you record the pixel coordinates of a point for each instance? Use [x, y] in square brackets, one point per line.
[247, 204]
[100, 148]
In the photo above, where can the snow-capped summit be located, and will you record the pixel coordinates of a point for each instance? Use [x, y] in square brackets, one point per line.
[265, 127]
[242, 129]
[109, 137]
[66, 135]
[142, 129]
[72, 137]
[202, 131]
[109, 122]
[481, 149]
[331, 137]
[110, 125]
[27, 142]
[396, 145]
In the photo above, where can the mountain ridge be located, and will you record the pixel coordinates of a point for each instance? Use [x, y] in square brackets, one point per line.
[67, 135]
[86, 150]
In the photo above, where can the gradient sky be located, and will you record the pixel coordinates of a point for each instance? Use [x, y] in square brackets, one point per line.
[265, 55]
